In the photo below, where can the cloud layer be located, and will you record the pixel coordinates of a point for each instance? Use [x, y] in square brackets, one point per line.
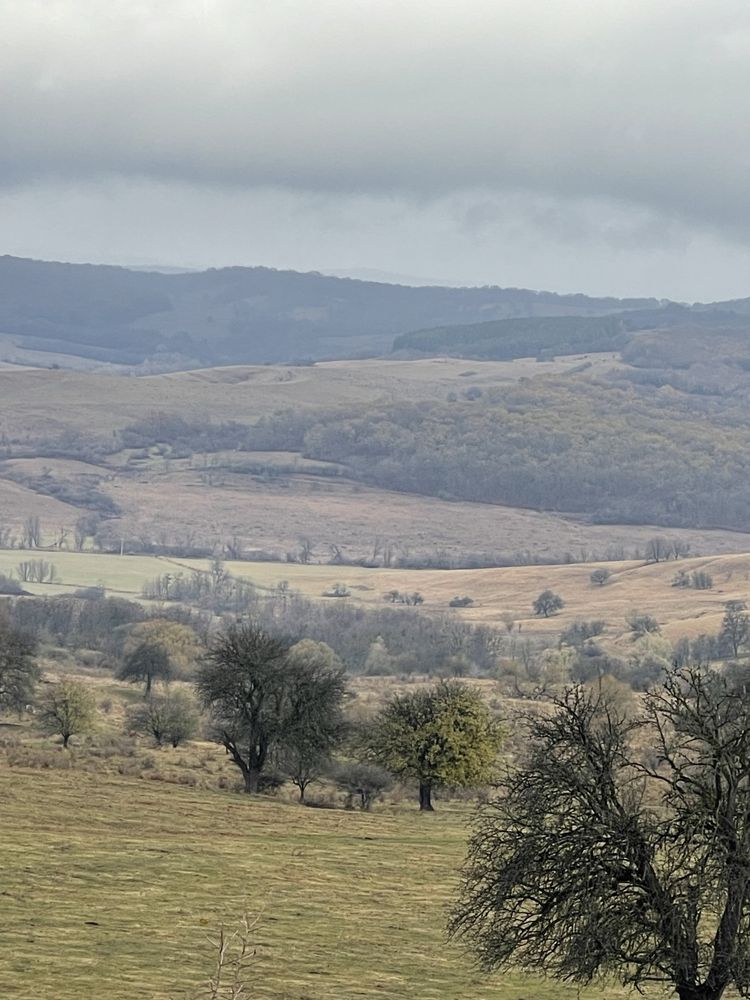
[598, 123]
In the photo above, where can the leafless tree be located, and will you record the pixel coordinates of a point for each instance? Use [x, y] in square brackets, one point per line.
[306, 548]
[37, 571]
[599, 860]
[233, 548]
[61, 537]
[31, 533]
[24, 570]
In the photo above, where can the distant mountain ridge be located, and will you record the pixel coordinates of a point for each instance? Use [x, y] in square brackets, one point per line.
[244, 314]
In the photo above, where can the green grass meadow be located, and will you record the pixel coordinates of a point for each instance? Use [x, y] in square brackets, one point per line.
[112, 885]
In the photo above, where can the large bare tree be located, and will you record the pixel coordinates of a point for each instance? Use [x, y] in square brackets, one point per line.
[622, 848]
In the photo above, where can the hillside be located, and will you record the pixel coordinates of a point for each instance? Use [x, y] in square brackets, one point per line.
[495, 461]
[545, 337]
[60, 312]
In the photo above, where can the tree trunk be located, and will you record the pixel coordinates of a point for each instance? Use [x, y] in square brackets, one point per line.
[252, 778]
[425, 798]
[66, 738]
[699, 993]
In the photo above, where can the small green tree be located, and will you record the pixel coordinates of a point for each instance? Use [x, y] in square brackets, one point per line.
[599, 577]
[443, 735]
[547, 603]
[67, 709]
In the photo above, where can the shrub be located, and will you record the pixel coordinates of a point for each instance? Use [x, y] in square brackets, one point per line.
[367, 782]
[547, 603]
[580, 631]
[10, 587]
[640, 624]
[169, 718]
[461, 602]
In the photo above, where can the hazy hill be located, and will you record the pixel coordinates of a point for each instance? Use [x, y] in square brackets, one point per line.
[241, 314]
[547, 336]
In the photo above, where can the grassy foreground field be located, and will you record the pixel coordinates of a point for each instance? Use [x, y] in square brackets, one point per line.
[111, 885]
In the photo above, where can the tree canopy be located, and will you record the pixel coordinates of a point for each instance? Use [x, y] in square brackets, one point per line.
[595, 860]
[147, 662]
[442, 735]
[67, 709]
[547, 603]
[18, 670]
[264, 699]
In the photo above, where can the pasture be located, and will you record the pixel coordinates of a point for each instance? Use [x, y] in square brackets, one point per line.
[111, 886]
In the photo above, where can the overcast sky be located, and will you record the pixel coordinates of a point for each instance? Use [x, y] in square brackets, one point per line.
[599, 146]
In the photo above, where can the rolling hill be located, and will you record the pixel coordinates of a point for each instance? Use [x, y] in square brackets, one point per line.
[112, 315]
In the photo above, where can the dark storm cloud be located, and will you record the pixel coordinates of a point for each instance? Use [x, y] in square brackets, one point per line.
[633, 103]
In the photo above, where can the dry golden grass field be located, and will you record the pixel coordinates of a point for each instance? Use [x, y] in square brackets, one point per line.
[38, 400]
[167, 502]
[500, 595]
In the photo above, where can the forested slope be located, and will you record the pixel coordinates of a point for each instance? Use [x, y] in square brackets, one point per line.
[240, 314]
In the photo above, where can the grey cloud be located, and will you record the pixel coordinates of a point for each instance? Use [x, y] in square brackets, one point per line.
[585, 221]
[528, 242]
[635, 104]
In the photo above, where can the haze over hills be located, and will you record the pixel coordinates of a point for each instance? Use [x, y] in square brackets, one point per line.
[84, 315]
[615, 412]
[240, 314]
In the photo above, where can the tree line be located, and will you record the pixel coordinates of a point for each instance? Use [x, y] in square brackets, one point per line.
[277, 708]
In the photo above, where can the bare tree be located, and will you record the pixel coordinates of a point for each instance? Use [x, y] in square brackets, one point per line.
[658, 549]
[31, 533]
[61, 537]
[24, 570]
[84, 528]
[595, 861]
[233, 548]
[306, 549]
[37, 571]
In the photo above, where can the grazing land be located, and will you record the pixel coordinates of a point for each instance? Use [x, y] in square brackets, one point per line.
[120, 881]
